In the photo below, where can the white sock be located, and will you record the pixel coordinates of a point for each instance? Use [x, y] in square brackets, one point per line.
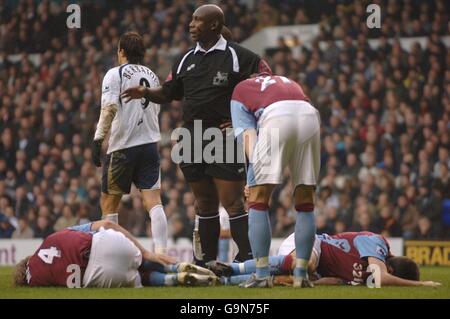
[138, 281]
[159, 228]
[114, 217]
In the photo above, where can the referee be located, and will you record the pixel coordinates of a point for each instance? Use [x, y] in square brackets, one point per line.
[205, 77]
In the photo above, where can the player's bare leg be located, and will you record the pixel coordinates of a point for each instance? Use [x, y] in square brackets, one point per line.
[260, 234]
[207, 206]
[232, 198]
[109, 204]
[305, 231]
[152, 203]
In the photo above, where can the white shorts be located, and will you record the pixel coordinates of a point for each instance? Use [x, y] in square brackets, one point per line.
[288, 246]
[288, 136]
[113, 262]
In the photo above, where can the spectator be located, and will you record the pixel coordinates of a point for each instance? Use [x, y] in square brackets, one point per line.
[66, 220]
[23, 231]
[389, 227]
[408, 216]
[424, 230]
[178, 228]
[43, 227]
[385, 110]
[322, 227]
[442, 182]
[6, 229]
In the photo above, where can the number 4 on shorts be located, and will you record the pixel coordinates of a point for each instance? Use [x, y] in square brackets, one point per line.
[48, 254]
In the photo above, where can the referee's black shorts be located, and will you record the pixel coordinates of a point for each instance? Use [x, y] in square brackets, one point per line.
[231, 170]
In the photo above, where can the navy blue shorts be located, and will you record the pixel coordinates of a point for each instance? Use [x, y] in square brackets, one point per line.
[137, 164]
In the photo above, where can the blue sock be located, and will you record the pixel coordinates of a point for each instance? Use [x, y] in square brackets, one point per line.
[160, 279]
[260, 236]
[245, 268]
[305, 234]
[236, 280]
[275, 263]
[224, 248]
[249, 266]
[171, 268]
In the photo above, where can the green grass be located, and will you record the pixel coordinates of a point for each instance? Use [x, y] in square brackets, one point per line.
[440, 274]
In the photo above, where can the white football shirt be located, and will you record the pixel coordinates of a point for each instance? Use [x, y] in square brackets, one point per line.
[135, 122]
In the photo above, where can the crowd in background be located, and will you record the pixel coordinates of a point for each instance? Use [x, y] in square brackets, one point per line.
[385, 112]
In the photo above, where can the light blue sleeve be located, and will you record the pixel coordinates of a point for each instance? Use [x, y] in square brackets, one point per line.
[242, 118]
[371, 246]
[85, 228]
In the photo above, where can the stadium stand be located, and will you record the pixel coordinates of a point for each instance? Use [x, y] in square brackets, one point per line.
[385, 112]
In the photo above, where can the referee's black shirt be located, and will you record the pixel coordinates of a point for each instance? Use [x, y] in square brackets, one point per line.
[206, 80]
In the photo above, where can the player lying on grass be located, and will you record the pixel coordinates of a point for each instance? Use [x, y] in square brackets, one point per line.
[337, 259]
[102, 254]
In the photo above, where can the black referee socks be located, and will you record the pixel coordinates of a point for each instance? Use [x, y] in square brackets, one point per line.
[239, 232]
[209, 231]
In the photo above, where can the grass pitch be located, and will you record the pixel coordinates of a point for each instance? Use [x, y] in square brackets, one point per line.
[440, 274]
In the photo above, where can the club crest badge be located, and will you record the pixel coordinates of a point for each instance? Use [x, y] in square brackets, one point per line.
[221, 79]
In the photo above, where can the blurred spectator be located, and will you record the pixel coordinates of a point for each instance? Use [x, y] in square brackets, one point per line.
[178, 228]
[6, 229]
[66, 220]
[408, 216]
[365, 222]
[385, 111]
[389, 226]
[322, 226]
[424, 230]
[23, 230]
[43, 227]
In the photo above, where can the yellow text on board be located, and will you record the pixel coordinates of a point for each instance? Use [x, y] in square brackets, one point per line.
[429, 253]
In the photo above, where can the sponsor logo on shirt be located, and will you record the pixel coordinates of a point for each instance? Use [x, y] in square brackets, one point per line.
[381, 251]
[221, 79]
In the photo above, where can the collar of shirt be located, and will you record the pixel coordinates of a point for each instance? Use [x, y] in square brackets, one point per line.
[221, 44]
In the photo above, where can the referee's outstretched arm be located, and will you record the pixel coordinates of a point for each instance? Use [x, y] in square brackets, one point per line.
[155, 95]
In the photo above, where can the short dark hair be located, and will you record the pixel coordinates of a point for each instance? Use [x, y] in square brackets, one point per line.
[404, 267]
[133, 46]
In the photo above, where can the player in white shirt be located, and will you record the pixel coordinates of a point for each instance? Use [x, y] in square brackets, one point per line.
[132, 155]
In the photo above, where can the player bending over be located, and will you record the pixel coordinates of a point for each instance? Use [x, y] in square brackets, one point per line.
[280, 128]
[102, 254]
[132, 155]
[337, 259]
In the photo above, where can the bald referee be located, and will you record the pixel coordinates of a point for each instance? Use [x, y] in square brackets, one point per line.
[205, 77]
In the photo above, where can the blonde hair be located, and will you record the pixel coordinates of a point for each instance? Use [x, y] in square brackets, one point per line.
[20, 273]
